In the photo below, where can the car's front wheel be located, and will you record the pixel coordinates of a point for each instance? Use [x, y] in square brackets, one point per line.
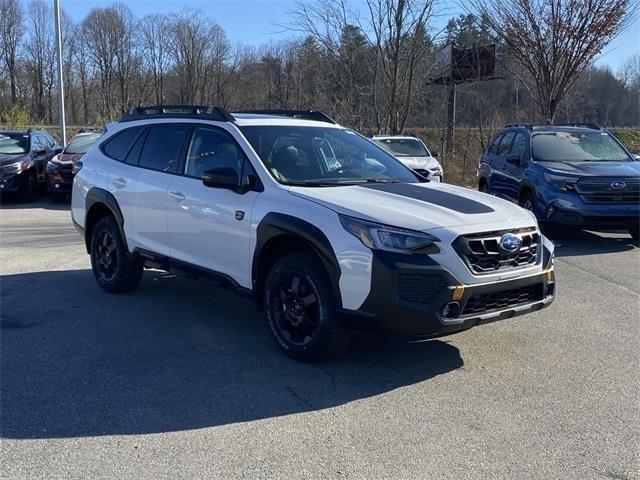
[29, 187]
[301, 310]
[115, 270]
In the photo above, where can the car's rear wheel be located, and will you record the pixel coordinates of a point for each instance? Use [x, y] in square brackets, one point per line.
[29, 187]
[301, 310]
[115, 270]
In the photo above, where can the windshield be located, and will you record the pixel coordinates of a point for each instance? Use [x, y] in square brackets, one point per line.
[403, 147]
[317, 156]
[81, 143]
[577, 147]
[14, 143]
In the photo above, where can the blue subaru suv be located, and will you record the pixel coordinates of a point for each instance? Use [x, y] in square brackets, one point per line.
[575, 175]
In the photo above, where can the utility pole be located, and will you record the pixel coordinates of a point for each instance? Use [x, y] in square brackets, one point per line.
[63, 129]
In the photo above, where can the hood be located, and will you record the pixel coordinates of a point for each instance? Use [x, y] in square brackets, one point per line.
[67, 157]
[416, 206]
[419, 162]
[599, 169]
[8, 159]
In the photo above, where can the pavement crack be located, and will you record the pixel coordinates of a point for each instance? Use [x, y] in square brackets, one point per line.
[299, 397]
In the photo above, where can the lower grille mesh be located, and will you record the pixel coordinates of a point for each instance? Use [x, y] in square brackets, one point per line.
[500, 300]
[419, 287]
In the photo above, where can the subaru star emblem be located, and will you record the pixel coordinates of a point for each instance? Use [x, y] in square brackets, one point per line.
[509, 242]
[618, 185]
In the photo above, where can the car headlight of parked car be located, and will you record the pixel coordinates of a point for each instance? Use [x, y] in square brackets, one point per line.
[562, 182]
[391, 239]
[16, 167]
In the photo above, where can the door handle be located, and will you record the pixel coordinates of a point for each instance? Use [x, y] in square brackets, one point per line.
[178, 196]
[119, 182]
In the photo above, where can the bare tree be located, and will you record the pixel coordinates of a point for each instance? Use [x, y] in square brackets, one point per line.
[154, 30]
[555, 40]
[399, 35]
[40, 49]
[11, 18]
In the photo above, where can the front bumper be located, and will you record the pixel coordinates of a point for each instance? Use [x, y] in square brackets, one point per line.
[59, 181]
[421, 299]
[10, 183]
[568, 209]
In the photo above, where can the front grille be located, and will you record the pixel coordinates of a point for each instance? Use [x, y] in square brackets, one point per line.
[65, 172]
[419, 287]
[483, 255]
[602, 190]
[501, 300]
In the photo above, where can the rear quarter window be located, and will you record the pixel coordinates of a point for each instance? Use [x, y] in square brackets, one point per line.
[118, 146]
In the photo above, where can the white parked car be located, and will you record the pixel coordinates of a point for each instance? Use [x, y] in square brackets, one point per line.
[413, 153]
[324, 229]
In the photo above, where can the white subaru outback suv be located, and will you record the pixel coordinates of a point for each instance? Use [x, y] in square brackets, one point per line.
[324, 229]
[413, 153]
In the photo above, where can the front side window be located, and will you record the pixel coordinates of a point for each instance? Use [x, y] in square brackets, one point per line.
[36, 144]
[577, 147]
[296, 155]
[403, 147]
[519, 146]
[212, 149]
[494, 145]
[81, 144]
[13, 143]
[505, 144]
[162, 147]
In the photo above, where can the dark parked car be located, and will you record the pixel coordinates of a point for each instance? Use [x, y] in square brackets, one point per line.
[574, 175]
[23, 161]
[60, 169]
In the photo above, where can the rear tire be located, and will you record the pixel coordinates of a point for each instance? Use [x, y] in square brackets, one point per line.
[115, 270]
[301, 310]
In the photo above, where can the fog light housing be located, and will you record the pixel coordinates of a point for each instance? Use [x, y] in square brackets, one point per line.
[550, 290]
[451, 310]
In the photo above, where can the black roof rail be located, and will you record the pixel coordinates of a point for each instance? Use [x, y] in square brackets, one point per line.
[202, 112]
[301, 114]
[591, 126]
[519, 125]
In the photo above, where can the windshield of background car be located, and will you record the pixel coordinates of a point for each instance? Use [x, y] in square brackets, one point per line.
[403, 147]
[81, 143]
[14, 143]
[317, 156]
[577, 147]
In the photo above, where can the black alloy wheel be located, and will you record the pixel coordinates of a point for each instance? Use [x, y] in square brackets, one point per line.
[300, 309]
[114, 268]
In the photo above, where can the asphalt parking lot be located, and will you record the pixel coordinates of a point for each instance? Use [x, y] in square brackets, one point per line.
[181, 379]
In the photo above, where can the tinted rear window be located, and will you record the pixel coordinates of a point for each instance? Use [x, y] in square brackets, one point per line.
[120, 144]
[162, 148]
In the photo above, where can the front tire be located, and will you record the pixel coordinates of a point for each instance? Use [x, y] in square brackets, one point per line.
[115, 270]
[29, 188]
[301, 310]
[528, 202]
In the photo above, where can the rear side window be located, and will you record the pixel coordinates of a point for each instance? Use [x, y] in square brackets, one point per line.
[119, 145]
[162, 148]
[505, 143]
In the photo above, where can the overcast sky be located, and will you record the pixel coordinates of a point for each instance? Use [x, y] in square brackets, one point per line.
[254, 22]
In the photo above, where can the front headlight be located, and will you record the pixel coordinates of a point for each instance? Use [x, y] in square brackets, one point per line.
[391, 239]
[562, 182]
[13, 167]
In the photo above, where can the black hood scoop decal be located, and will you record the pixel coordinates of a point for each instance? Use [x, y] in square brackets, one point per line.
[443, 199]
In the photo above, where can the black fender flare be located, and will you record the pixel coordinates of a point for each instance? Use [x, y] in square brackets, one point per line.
[101, 196]
[276, 224]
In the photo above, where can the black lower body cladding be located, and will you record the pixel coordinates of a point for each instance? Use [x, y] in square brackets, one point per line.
[417, 298]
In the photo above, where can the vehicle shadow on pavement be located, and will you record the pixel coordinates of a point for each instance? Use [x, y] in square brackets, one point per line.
[177, 354]
[8, 202]
[571, 243]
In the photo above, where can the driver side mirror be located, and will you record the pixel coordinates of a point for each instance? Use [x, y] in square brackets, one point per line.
[513, 159]
[434, 154]
[40, 151]
[223, 177]
[57, 150]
